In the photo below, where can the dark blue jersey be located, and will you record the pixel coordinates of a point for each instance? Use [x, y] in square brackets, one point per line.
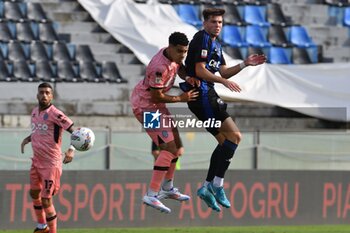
[203, 49]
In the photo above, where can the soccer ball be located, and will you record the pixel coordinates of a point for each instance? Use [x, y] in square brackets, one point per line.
[82, 139]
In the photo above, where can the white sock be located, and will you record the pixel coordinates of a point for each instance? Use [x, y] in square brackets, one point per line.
[41, 225]
[151, 193]
[206, 183]
[218, 181]
[167, 185]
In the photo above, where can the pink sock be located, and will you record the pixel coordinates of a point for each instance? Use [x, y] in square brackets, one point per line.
[161, 166]
[170, 174]
[39, 211]
[51, 218]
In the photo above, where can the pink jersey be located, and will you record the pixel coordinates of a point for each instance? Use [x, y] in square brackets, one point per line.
[47, 136]
[160, 73]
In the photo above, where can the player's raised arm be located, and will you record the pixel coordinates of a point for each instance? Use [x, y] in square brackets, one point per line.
[24, 142]
[252, 60]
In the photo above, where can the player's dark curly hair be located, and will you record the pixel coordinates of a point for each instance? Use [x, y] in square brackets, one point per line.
[212, 12]
[178, 38]
[43, 85]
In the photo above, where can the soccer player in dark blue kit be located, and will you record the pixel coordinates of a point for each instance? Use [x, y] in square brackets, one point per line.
[204, 60]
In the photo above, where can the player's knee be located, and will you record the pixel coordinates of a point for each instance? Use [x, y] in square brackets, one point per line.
[238, 137]
[171, 150]
[179, 152]
[34, 194]
[170, 147]
[46, 202]
[235, 137]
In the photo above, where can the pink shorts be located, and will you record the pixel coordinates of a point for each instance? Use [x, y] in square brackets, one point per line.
[45, 179]
[164, 133]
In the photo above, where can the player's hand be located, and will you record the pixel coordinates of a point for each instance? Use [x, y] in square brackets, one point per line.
[231, 85]
[180, 151]
[189, 96]
[69, 154]
[24, 142]
[255, 59]
[193, 81]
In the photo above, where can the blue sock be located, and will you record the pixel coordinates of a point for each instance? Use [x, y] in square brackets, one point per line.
[227, 151]
[214, 160]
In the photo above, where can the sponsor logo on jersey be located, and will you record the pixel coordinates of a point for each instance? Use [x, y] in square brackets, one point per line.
[204, 53]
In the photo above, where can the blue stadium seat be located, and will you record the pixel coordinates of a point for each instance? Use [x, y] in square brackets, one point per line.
[88, 72]
[83, 53]
[299, 37]
[256, 15]
[45, 72]
[255, 37]
[25, 32]
[5, 73]
[1, 9]
[38, 51]
[336, 14]
[23, 71]
[47, 32]
[17, 51]
[61, 52]
[279, 55]
[111, 73]
[67, 71]
[14, 11]
[35, 12]
[231, 35]
[189, 14]
[346, 20]
[5, 32]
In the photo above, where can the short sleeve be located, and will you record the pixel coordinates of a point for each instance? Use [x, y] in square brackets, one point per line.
[158, 76]
[223, 61]
[61, 119]
[200, 52]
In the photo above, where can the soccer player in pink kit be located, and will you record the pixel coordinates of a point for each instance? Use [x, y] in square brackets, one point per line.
[47, 123]
[150, 96]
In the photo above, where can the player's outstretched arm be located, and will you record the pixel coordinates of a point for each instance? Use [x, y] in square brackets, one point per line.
[251, 60]
[228, 72]
[24, 142]
[205, 74]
